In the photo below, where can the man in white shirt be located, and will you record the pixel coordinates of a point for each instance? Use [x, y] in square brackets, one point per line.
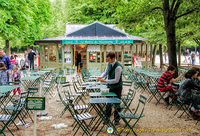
[114, 81]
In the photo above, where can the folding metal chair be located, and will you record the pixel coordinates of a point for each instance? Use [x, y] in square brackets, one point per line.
[48, 87]
[128, 117]
[9, 118]
[22, 107]
[81, 120]
[68, 96]
[183, 106]
[127, 100]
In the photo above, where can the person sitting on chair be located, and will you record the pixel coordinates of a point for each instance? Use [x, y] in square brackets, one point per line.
[165, 81]
[185, 91]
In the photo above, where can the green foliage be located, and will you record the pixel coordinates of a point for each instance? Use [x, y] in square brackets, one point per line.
[56, 27]
[145, 18]
[21, 20]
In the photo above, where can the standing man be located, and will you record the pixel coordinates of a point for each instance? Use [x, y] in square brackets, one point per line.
[78, 62]
[6, 60]
[31, 56]
[114, 72]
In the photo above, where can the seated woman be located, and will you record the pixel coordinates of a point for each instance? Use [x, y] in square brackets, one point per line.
[185, 91]
[165, 81]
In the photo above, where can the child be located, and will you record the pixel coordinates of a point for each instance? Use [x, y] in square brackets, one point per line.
[4, 75]
[16, 78]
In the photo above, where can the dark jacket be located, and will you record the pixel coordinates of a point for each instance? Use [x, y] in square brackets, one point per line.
[111, 75]
[6, 61]
[185, 89]
[31, 56]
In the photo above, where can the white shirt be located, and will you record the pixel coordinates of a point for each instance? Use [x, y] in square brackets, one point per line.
[118, 72]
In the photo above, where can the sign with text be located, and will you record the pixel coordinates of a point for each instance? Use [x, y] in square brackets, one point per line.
[125, 41]
[35, 103]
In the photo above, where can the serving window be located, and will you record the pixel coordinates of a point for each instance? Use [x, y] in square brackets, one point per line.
[52, 54]
[94, 53]
[67, 54]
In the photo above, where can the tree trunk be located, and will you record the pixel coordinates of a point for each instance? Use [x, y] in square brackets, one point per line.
[151, 53]
[142, 50]
[169, 21]
[195, 49]
[7, 48]
[154, 54]
[146, 52]
[179, 53]
[28, 48]
[136, 54]
[161, 56]
[171, 44]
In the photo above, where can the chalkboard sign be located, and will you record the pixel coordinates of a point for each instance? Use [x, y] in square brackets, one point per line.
[35, 103]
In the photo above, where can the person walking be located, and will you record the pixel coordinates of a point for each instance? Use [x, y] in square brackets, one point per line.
[31, 56]
[114, 72]
[193, 58]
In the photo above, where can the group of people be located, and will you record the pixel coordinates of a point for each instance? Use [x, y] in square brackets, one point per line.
[190, 57]
[5, 71]
[7, 65]
[184, 92]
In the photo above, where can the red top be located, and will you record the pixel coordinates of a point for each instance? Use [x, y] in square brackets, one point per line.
[165, 78]
[13, 61]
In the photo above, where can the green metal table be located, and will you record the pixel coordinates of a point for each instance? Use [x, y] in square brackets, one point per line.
[99, 105]
[99, 94]
[48, 69]
[30, 81]
[5, 92]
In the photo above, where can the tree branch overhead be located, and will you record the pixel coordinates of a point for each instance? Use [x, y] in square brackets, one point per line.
[186, 13]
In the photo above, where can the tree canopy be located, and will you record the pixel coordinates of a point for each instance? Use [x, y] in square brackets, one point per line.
[21, 20]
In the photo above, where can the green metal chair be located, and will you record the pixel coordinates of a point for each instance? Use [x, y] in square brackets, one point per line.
[128, 117]
[7, 119]
[48, 87]
[183, 106]
[22, 108]
[127, 100]
[81, 120]
[67, 95]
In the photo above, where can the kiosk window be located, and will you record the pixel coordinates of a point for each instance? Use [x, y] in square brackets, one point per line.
[52, 54]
